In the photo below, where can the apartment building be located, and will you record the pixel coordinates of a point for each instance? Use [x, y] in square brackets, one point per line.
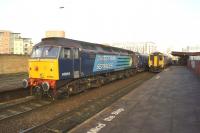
[13, 43]
[27, 45]
[4, 42]
[18, 46]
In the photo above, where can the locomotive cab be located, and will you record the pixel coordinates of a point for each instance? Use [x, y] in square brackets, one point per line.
[44, 62]
[50, 65]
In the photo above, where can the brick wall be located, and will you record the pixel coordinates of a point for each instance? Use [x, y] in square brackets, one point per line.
[13, 63]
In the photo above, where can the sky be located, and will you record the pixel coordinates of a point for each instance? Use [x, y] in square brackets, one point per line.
[169, 23]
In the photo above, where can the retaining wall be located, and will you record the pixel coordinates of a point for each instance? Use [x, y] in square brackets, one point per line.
[13, 63]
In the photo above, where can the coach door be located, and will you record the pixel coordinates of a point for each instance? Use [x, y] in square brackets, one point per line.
[76, 63]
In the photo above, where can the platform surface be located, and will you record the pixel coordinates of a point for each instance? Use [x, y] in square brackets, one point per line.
[167, 103]
[10, 82]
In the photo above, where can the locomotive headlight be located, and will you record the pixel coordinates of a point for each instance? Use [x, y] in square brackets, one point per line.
[24, 83]
[45, 86]
[36, 68]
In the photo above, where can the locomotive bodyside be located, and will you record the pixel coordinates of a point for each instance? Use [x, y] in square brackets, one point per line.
[65, 65]
[142, 62]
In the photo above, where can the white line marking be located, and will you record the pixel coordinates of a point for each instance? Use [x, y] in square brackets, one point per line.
[97, 128]
[107, 119]
[117, 111]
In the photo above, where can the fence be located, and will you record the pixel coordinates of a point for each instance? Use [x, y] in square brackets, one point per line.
[194, 64]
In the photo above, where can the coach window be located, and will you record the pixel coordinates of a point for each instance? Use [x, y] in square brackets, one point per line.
[151, 57]
[65, 53]
[160, 57]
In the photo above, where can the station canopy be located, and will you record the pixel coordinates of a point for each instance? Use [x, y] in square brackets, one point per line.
[175, 53]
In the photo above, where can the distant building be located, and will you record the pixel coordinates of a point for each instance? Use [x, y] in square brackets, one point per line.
[55, 34]
[13, 38]
[28, 45]
[141, 47]
[13, 43]
[191, 48]
[18, 46]
[5, 42]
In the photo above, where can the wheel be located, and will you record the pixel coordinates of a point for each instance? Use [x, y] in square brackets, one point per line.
[69, 90]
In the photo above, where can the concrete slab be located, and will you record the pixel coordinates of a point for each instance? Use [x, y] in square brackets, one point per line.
[167, 103]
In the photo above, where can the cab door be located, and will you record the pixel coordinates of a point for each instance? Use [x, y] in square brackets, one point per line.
[66, 63]
[76, 63]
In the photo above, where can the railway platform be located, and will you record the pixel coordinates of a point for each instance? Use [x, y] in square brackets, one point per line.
[9, 82]
[167, 103]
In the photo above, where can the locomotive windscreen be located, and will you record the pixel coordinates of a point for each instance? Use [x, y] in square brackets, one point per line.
[45, 52]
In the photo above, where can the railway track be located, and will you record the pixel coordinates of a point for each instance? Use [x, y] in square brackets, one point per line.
[65, 114]
[11, 86]
[13, 94]
[68, 120]
[19, 106]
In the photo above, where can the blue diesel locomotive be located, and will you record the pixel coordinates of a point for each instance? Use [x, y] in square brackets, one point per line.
[142, 62]
[65, 66]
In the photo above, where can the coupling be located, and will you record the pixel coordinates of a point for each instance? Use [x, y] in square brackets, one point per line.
[45, 86]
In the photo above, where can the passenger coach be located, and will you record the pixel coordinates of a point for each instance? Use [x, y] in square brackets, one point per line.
[158, 61]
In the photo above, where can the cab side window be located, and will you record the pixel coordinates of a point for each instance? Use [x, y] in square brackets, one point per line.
[76, 53]
[65, 53]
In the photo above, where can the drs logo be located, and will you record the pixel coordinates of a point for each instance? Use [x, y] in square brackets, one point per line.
[104, 62]
[109, 62]
[104, 66]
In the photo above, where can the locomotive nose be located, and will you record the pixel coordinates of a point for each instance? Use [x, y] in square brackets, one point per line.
[24, 83]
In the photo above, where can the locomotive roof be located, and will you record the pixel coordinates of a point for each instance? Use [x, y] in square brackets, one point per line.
[80, 44]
